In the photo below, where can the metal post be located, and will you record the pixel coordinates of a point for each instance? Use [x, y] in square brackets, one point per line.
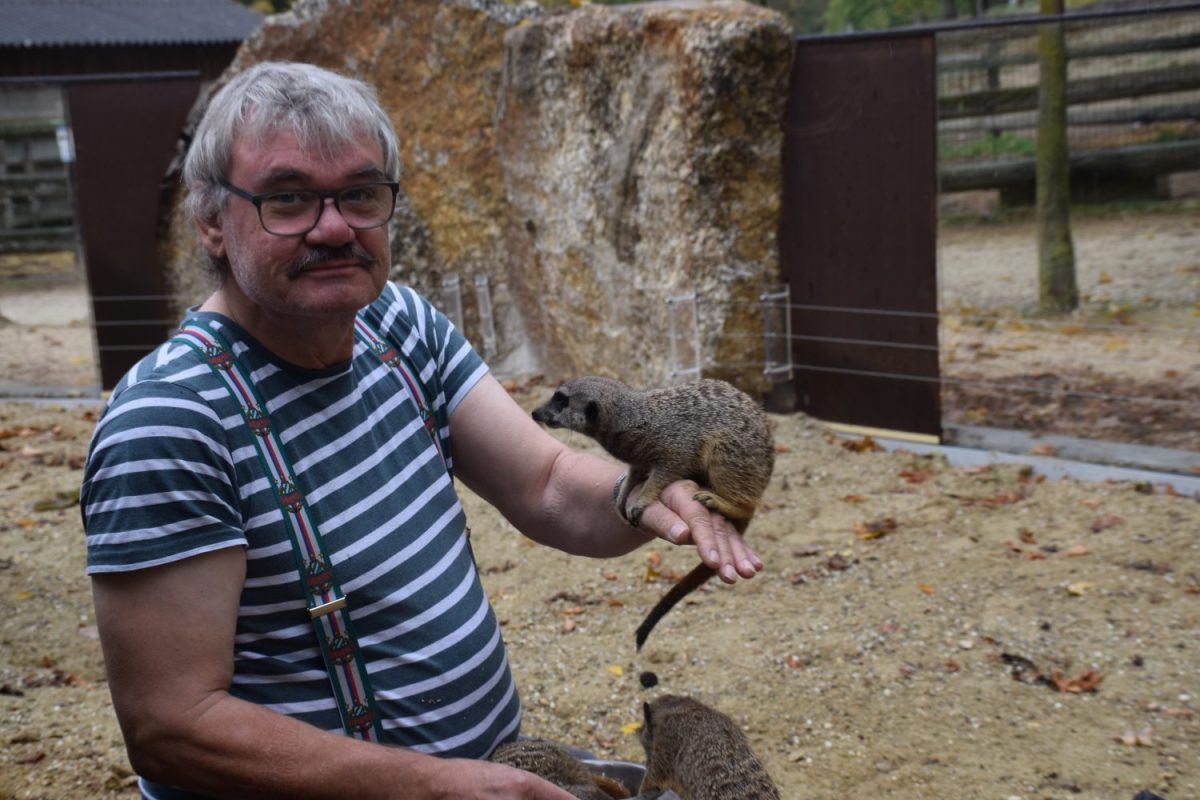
[487, 325]
[684, 325]
[452, 299]
[776, 302]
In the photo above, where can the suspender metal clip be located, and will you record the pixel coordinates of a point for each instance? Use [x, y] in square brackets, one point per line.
[327, 608]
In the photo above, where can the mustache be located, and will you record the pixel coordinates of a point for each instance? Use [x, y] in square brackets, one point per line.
[319, 256]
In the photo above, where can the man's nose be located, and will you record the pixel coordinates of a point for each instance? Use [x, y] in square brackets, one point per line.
[331, 227]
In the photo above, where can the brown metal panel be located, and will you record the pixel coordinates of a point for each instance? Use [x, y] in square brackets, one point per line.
[859, 230]
[125, 135]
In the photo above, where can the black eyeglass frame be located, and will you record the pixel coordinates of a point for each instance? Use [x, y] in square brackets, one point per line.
[257, 201]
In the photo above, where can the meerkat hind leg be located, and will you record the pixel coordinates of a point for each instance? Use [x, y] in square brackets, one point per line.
[715, 502]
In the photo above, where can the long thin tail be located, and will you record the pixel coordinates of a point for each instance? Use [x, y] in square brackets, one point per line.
[690, 582]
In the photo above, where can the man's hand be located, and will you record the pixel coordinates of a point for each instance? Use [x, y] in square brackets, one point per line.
[680, 519]
[483, 780]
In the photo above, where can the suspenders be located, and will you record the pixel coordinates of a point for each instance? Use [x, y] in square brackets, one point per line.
[323, 596]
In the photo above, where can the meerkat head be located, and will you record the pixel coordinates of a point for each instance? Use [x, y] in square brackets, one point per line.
[580, 405]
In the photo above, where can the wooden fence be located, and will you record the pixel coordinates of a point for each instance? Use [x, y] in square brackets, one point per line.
[1133, 102]
[35, 188]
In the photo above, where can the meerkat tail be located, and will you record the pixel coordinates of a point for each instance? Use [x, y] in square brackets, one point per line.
[690, 582]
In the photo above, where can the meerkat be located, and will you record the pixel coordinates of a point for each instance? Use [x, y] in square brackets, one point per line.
[706, 431]
[699, 753]
[554, 763]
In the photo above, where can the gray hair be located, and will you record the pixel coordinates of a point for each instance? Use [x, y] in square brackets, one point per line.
[323, 109]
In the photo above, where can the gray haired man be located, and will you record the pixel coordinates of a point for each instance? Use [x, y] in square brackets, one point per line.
[284, 589]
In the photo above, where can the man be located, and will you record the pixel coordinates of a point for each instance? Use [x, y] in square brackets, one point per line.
[283, 419]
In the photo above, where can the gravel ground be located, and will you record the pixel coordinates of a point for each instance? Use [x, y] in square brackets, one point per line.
[921, 631]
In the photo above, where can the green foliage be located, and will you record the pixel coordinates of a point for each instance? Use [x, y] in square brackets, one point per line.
[805, 16]
[268, 6]
[862, 15]
[990, 145]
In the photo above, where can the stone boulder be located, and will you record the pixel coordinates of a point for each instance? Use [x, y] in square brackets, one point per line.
[641, 151]
[589, 163]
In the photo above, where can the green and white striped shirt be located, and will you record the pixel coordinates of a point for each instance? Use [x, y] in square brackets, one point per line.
[173, 473]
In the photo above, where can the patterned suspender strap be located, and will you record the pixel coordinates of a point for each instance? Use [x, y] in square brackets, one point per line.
[323, 596]
[391, 356]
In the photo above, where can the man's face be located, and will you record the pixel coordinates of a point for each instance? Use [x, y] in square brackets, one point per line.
[332, 269]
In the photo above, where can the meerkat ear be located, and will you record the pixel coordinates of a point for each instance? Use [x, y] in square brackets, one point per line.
[591, 412]
[646, 716]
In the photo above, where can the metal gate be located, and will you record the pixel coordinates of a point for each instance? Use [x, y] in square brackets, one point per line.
[125, 130]
[858, 231]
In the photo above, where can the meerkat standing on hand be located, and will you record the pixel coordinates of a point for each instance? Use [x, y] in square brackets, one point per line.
[699, 753]
[706, 431]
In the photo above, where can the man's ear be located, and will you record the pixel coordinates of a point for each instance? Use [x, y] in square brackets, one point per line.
[212, 235]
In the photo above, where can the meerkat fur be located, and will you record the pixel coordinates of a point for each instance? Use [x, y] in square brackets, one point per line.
[706, 431]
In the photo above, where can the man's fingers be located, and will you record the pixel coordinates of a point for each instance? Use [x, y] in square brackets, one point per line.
[683, 519]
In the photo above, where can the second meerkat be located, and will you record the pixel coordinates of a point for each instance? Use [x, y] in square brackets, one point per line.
[706, 431]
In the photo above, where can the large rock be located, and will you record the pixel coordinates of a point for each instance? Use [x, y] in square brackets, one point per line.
[589, 164]
[641, 151]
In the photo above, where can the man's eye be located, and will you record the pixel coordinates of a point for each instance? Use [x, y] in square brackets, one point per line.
[290, 198]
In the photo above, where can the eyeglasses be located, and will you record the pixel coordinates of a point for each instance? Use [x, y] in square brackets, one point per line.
[295, 212]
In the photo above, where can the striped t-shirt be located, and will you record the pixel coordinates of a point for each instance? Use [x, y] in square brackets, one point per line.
[173, 473]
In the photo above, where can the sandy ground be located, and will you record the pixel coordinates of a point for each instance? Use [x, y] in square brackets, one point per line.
[921, 631]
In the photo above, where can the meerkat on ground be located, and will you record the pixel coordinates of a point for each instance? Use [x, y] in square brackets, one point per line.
[554, 763]
[706, 431]
[699, 753]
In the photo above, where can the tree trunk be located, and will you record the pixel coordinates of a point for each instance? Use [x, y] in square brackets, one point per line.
[1057, 288]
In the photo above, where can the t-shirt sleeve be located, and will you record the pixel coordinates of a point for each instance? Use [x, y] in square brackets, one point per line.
[159, 484]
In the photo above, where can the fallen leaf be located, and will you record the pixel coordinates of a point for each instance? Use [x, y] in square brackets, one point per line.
[926, 588]
[915, 475]
[837, 563]
[59, 501]
[782, 448]
[858, 498]
[875, 529]
[863, 445]
[568, 625]
[1076, 551]
[1104, 523]
[654, 558]
[613, 602]
[807, 551]
[1086, 681]
[573, 611]
[1115, 343]
[631, 728]
[1185, 713]
[1044, 449]
[1140, 738]
[1027, 537]
[25, 522]
[794, 662]
[617, 669]
[1079, 588]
